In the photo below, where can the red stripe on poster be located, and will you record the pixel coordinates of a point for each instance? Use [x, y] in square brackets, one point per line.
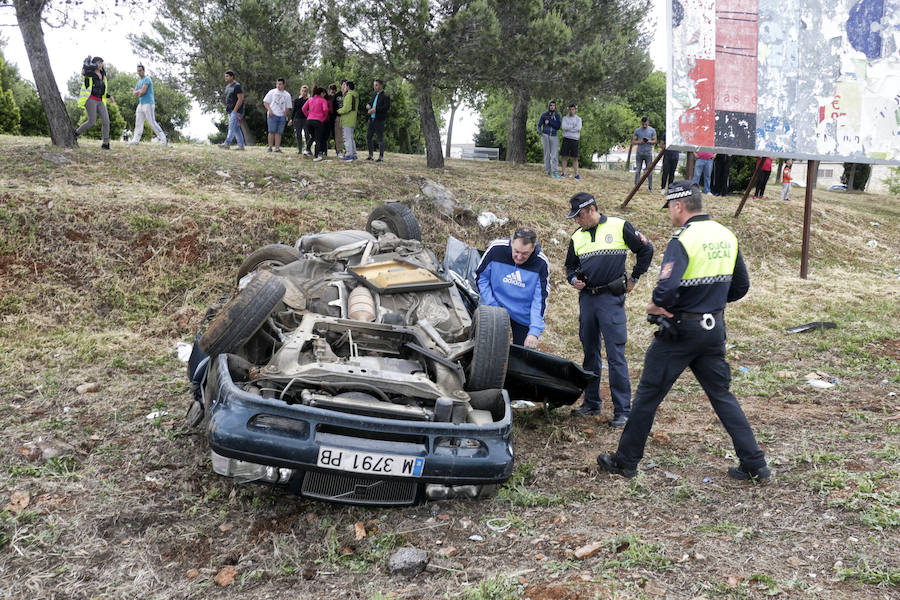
[697, 124]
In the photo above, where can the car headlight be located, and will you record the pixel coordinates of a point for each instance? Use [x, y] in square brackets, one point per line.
[244, 472]
[457, 446]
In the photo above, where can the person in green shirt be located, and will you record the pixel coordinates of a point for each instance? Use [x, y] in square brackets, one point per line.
[347, 113]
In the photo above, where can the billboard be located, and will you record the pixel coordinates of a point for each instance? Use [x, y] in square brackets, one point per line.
[807, 79]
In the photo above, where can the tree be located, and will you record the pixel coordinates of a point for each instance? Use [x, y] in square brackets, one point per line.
[607, 122]
[856, 176]
[9, 111]
[432, 45]
[29, 14]
[586, 48]
[32, 120]
[260, 40]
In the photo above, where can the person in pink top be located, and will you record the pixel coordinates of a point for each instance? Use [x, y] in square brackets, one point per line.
[703, 167]
[316, 111]
[765, 170]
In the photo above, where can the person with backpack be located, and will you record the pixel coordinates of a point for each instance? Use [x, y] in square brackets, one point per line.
[94, 96]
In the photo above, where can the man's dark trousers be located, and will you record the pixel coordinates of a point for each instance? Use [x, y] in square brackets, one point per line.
[375, 128]
[704, 352]
[603, 316]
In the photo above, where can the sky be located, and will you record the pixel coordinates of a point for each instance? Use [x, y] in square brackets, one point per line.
[68, 47]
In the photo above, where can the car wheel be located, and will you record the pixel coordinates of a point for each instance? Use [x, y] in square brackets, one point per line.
[272, 254]
[242, 317]
[399, 218]
[491, 353]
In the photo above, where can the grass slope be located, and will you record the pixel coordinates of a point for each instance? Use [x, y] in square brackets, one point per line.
[107, 259]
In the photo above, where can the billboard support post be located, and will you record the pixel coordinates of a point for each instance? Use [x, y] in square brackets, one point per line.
[643, 178]
[753, 179]
[811, 168]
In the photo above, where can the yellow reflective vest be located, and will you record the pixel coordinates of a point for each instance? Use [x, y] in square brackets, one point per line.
[609, 239]
[712, 252]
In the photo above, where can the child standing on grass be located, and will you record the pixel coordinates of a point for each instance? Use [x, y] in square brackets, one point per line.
[786, 180]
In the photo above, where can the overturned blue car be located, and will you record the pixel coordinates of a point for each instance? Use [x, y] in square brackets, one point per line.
[354, 368]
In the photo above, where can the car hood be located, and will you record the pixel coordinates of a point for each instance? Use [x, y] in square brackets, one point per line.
[542, 377]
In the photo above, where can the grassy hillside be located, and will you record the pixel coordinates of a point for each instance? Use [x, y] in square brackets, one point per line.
[108, 259]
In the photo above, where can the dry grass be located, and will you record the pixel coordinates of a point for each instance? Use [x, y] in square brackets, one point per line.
[107, 262]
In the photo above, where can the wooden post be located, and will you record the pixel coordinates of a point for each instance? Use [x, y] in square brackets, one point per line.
[643, 178]
[811, 168]
[689, 166]
[753, 179]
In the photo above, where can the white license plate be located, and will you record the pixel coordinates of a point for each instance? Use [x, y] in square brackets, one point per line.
[370, 462]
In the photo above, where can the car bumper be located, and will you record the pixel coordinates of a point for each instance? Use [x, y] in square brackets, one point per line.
[252, 437]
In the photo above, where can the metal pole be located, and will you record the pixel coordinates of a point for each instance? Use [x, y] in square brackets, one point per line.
[753, 179]
[643, 178]
[811, 168]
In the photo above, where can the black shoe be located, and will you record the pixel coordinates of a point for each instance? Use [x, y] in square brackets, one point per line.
[378, 160]
[370, 158]
[618, 421]
[104, 146]
[607, 463]
[586, 411]
[744, 474]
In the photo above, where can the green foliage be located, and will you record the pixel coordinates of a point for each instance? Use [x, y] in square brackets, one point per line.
[865, 572]
[499, 587]
[517, 493]
[260, 40]
[893, 181]
[630, 552]
[9, 113]
[860, 173]
[9, 110]
[607, 121]
[648, 99]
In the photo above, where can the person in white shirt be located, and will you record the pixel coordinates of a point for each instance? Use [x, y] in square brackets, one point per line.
[146, 109]
[571, 128]
[278, 105]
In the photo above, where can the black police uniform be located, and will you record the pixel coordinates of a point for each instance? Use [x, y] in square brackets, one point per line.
[702, 269]
[599, 254]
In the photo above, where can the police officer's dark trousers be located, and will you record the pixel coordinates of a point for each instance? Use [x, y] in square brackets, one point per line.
[603, 316]
[704, 352]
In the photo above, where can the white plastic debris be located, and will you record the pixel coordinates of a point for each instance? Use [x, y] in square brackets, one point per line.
[223, 174]
[476, 538]
[156, 414]
[874, 223]
[499, 525]
[488, 219]
[820, 383]
[183, 351]
[522, 404]
[872, 244]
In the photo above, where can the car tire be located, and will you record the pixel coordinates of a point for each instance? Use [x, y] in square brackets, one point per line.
[272, 254]
[491, 353]
[400, 221]
[242, 316]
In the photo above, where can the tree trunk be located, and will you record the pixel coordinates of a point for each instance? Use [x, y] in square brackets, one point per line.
[434, 158]
[28, 14]
[628, 160]
[515, 145]
[453, 107]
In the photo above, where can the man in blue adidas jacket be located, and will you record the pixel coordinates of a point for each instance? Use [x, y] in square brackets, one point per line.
[514, 273]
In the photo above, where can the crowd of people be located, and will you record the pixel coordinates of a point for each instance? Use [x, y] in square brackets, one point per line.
[318, 116]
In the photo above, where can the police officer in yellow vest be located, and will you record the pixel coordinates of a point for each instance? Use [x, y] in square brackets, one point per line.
[702, 269]
[595, 265]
